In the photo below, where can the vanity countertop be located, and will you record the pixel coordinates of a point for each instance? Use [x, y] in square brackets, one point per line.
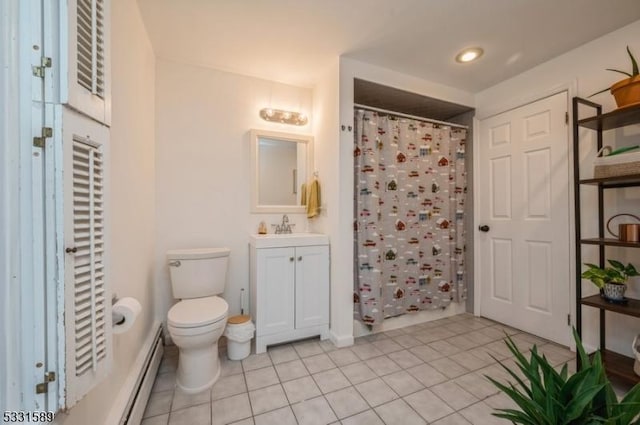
[289, 239]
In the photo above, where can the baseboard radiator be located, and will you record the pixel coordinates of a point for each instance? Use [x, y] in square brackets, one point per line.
[144, 382]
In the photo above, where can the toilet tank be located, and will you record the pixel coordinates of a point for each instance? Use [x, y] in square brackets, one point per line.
[198, 273]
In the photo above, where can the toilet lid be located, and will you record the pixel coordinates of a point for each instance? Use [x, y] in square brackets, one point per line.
[197, 312]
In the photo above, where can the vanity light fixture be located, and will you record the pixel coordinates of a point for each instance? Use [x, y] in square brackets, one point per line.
[469, 55]
[285, 117]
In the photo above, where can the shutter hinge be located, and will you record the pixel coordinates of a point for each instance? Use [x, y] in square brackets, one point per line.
[44, 386]
[38, 71]
[566, 117]
[568, 319]
[38, 142]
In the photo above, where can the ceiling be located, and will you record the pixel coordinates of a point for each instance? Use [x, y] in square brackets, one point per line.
[293, 41]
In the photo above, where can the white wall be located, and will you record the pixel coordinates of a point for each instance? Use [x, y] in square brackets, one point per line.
[203, 118]
[132, 196]
[334, 160]
[584, 69]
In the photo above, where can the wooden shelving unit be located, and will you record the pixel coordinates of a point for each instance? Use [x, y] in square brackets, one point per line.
[616, 365]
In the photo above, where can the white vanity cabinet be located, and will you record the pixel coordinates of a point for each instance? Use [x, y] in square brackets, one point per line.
[289, 287]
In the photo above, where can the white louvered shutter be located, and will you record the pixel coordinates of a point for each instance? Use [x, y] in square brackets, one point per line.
[87, 296]
[86, 86]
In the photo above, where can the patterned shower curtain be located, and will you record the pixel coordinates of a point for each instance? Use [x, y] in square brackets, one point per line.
[410, 186]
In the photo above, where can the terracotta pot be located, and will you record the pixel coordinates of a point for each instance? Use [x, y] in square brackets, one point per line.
[627, 91]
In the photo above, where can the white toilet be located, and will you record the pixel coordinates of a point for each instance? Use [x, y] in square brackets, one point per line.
[197, 321]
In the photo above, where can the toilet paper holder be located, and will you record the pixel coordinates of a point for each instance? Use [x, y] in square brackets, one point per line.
[116, 318]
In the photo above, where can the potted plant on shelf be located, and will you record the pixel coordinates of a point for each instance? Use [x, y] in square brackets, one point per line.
[612, 281]
[627, 91]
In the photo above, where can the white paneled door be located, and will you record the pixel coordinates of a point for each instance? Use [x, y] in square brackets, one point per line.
[523, 199]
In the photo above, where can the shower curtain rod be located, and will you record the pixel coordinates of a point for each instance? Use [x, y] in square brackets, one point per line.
[413, 117]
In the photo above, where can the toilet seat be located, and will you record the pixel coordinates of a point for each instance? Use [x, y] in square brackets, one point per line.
[197, 312]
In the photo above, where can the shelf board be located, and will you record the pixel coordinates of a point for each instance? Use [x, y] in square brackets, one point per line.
[619, 366]
[609, 242]
[614, 119]
[632, 308]
[613, 182]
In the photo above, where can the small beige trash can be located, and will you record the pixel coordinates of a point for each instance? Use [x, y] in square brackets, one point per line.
[239, 332]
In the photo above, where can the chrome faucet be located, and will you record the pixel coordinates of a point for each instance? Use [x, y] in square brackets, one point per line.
[284, 227]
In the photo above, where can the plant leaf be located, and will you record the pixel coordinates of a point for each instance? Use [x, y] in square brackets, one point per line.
[616, 264]
[621, 72]
[634, 64]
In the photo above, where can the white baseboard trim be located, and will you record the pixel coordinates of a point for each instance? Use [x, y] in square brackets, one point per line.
[130, 402]
[340, 340]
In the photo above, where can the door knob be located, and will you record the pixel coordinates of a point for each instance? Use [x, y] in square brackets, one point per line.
[484, 228]
[300, 258]
[71, 250]
[291, 258]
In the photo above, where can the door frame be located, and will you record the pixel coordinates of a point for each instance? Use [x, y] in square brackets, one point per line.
[571, 88]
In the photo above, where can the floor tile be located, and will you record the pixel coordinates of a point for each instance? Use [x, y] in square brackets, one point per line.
[454, 419]
[156, 420]
[426, 353]
[480, 414]
[248, 421]
[470, 361]
[407, 341]
[230, 367]
[444, 348]
[387, 345]
[291, 370]
[196, 415]
[327, 346]
[398, 412]
[368, 417]
[261, 378]
[501, 401]
[343, 357]
[283, 416]
[331, 380]
[318, 363]
[366, 351]
[159, 403]
[454, 395]
[448, 367]
[182, 400]
[301, 389]
[314, 412]
[405, 359]
[346, 402]
[462, 342]
[395, 332]
[267, 399]
[376, 392]
[427, 375]
[402, 383]
[308, 348]
[382, 365]
[230, 409]
[477, 385]
[164, 382]
[256, 361]
[358, 372]
[428, 405]
[282, 354]
[228, 386]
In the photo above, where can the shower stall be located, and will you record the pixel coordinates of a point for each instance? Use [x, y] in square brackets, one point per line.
[409, 205]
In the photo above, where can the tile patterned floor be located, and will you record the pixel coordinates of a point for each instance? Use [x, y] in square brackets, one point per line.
[432, 373]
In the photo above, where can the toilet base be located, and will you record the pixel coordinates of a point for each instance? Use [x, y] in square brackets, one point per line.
[198, 369]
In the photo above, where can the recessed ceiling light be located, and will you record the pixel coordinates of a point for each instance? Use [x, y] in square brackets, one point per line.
[468, 55]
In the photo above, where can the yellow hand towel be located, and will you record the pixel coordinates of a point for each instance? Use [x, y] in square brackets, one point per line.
[313, 199]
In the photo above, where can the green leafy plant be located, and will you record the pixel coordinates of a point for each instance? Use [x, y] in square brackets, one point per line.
[617, 273]
[548, 397]
[634, 70]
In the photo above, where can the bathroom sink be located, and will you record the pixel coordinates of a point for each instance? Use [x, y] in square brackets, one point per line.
[291, 239]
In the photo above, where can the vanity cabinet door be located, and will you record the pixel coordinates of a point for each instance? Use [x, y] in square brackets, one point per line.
[275, 290]
[312, 286]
